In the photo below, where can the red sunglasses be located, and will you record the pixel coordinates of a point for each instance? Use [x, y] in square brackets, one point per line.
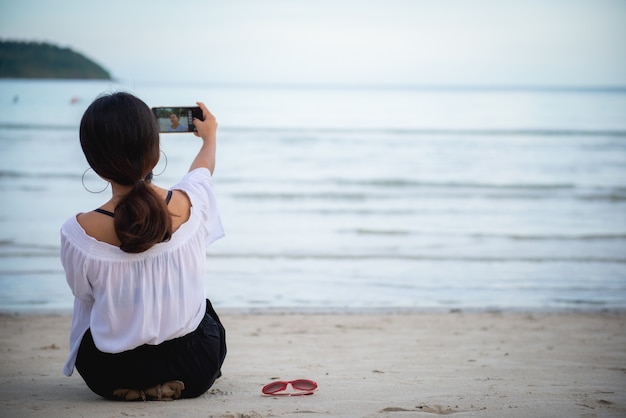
[305, 386]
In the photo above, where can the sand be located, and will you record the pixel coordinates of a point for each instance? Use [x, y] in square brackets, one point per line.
[367, 365]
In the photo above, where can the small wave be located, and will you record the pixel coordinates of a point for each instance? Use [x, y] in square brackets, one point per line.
[402, 183]
[433, 131]
[513, 237]
[580, 302]
[611, 197]
[387, 211]
[300, 196]
[11, 249]
[29, 254]
[34, 273]
[502, 194]
[555, 237]
[35, 175]
[4, 243]
[380, 232]
[410, 257]
[35, 126]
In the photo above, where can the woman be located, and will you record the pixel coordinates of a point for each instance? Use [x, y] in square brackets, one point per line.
[141, 326]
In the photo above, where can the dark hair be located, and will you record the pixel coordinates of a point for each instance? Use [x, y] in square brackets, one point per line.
[119, 136]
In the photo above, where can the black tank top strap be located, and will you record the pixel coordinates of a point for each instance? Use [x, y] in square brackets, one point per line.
[105, 212]
[169, 197]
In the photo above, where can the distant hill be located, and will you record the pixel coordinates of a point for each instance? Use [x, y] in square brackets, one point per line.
[43, 60]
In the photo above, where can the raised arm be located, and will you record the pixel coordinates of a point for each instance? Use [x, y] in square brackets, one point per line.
[207, 130]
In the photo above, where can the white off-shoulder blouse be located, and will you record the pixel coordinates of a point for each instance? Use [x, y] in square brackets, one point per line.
[133, 299]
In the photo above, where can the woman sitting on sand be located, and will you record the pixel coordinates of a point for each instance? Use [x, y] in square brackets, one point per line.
[141, 326]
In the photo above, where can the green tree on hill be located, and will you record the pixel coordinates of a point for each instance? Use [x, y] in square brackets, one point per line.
[42, 60]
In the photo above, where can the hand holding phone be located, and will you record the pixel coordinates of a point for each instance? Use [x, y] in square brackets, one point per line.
[177, 119]
[207, 126]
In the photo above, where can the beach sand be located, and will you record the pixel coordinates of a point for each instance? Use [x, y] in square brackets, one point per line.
[366, 364]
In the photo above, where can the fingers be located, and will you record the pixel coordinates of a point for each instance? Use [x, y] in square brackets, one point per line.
[206, 127]
[208, 116]
[205, 111]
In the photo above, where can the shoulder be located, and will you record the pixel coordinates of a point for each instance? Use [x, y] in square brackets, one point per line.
[98, 226]
[71, 229]
[74, 240]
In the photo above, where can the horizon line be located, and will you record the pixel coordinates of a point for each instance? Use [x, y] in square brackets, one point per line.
[549, 87]
[393, 86]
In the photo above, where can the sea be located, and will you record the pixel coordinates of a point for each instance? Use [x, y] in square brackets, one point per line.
[351, 198]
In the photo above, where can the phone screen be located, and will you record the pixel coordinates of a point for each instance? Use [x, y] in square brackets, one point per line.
[176, 119]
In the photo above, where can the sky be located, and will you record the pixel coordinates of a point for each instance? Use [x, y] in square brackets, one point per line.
[388, 42]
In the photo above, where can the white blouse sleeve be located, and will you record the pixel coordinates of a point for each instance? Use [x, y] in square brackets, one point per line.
[198, 184]
[73, 259]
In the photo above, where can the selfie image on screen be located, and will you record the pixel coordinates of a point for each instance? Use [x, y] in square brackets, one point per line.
[173, 119]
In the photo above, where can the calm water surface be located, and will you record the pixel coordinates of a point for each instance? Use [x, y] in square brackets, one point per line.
[352, 198]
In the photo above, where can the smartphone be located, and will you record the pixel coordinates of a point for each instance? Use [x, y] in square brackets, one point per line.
[177, 119]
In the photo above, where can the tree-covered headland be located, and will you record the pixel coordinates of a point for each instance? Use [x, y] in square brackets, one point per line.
[43, 60]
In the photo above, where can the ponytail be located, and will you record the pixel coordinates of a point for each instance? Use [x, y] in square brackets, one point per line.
[142, 219]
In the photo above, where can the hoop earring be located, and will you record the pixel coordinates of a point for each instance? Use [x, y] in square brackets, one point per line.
[164, 168]
[91, 191]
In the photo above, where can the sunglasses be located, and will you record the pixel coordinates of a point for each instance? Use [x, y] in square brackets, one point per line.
[305, 386]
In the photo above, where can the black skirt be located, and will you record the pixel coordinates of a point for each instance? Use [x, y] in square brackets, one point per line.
[195, 359]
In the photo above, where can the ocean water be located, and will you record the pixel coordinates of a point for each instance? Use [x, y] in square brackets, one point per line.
[351, 198]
